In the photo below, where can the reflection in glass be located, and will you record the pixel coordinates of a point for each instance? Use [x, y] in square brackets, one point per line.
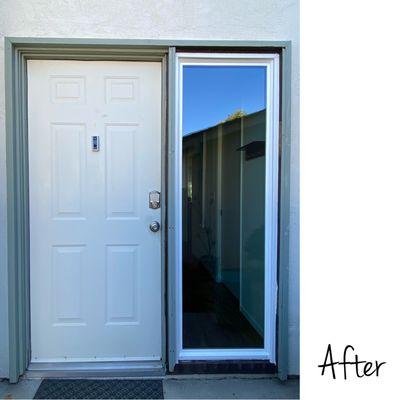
[223, 173]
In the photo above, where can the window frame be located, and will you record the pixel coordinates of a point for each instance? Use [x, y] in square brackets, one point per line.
[271, 63]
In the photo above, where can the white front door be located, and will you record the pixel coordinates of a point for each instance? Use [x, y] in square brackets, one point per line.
[95, 266]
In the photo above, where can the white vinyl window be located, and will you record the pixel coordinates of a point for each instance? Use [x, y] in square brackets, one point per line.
[227, 201]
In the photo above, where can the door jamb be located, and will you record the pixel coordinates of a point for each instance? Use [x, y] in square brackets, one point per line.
[17, 51]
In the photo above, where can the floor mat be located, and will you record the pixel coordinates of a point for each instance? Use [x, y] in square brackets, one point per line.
[100, 389]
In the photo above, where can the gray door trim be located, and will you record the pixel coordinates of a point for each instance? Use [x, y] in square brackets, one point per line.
[17, 51]
[172, 168]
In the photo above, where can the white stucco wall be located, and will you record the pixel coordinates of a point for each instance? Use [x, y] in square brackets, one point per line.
[157, 19]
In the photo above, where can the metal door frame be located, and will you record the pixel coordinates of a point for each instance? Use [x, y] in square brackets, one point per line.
[17, 51]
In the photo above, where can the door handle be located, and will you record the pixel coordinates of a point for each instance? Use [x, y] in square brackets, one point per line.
[154, 226]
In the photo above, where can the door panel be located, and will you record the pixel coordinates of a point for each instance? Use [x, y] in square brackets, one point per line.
[95, 267]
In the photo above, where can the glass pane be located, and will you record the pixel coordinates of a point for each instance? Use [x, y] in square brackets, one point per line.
[223, 172]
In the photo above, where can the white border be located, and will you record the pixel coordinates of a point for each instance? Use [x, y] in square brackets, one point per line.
[271, 63]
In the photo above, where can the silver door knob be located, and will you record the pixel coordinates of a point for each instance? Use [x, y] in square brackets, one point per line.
[154, 226]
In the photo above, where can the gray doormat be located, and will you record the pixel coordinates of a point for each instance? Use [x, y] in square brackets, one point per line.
[100, 389]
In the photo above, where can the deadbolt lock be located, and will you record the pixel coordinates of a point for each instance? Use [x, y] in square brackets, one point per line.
[154, 199]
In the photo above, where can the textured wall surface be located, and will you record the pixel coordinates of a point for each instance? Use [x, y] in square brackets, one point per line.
[157, 19]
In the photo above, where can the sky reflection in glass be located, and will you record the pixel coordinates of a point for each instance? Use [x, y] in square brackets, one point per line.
[212, 93]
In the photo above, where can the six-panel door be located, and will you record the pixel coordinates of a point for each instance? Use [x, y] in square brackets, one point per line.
[95, 266]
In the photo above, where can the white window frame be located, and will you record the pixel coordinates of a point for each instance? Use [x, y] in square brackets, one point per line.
[271, 63]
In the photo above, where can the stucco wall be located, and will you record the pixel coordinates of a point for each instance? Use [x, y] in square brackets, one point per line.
[157, 19]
